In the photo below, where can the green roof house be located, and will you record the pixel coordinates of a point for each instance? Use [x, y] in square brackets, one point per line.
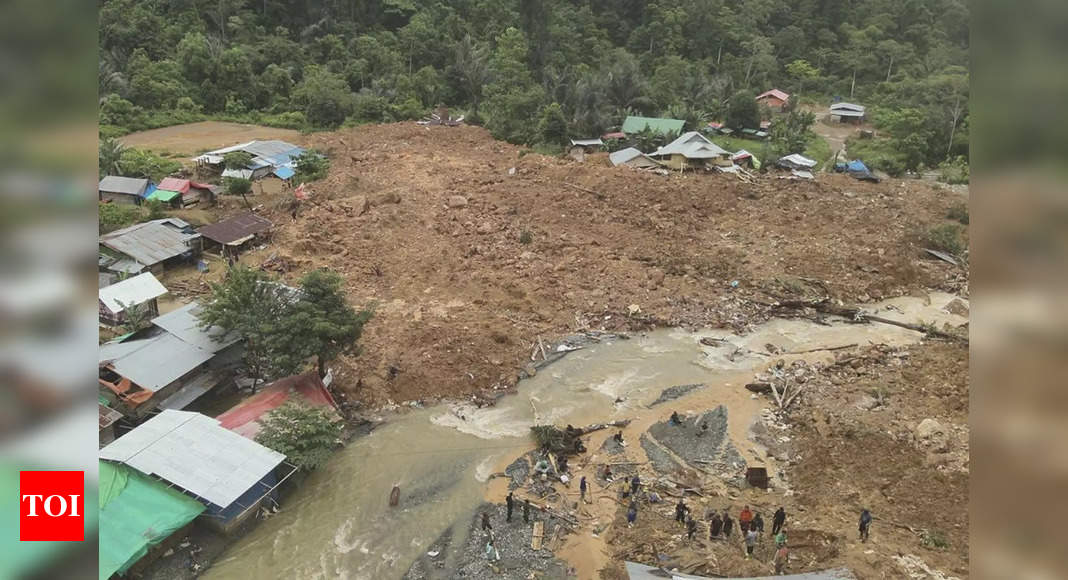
[662, 126]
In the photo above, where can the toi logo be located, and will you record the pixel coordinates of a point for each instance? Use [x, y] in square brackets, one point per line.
[51, 506]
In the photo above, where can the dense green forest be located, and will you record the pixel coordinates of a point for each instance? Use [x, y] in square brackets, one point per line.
[537, 71]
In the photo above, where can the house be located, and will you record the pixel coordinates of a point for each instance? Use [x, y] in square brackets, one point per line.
[150, 245]
[126, 190]
[168, 365]
[631, 157]
[691, 150]
[796, 161]
[308, 388]
[230, 475]
[662, 126]
[774, 99]
[188, 192]
[235, 232]
[580, 147]
[114, 300]
[267, 158]
[846, 113]
[140, 518]
[614, 135]
[746, 159]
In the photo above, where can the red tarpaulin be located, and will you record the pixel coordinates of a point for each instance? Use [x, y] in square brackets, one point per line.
[244, 417]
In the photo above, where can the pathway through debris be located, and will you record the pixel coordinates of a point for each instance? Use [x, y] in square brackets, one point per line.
[339, 524]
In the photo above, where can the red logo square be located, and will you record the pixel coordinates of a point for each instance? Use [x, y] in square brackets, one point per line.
[51, 506]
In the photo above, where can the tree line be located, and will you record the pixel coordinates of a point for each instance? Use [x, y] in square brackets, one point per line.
[532, 71]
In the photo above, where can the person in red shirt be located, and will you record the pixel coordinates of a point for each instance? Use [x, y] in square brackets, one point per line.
[745, 518]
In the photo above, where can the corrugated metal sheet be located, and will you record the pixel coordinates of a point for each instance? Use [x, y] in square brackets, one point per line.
[642, 572]
[846, 107]
[692, 145]
[184, 324]
[163, 195]
[587, 142]
[151, 242]
[235, 227]
[174, 184]
[191, 391]
[156, 362]
[131, 291]
[624, 155]
[285, 172]
[244, 418]
[240, 173]
[127, 185]
[773, 93]
[195, 453]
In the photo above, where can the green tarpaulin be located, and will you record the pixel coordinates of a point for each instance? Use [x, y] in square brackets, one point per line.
[662, 126]
[163, 195]
[136, 513]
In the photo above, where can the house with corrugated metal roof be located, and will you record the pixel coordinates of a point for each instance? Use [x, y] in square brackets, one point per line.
[631, 157]
[169, 365]
[151, 245]
[846, 112]
[691, 150]
[180, 193]
[230, 475]
[232, 234]
[125, 190]
[268, 157]
[139, 291]
[774, 99]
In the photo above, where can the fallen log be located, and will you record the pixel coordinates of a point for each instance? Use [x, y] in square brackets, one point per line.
[580, 188]
[825, 306]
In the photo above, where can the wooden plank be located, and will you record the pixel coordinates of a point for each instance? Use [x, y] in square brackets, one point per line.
[539, 533]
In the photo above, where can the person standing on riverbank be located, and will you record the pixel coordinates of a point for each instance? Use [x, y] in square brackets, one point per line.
[582, 489]
[526, 511]
[778, 521]
[485, 522]
[511, 503]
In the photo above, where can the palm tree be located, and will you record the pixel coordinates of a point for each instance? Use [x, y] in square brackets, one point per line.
[110, 154]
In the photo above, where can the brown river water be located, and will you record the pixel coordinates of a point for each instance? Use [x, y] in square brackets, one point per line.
[339, 523]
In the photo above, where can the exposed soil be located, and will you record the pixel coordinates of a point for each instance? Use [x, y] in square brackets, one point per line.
[461, 300]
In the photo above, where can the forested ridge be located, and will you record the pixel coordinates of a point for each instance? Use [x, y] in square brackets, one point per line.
[535, 71]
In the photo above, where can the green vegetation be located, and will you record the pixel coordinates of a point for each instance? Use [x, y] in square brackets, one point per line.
[140, 163]
[237, 160]
[305, 435]
[935, 539]
[318, 65]
[114, 216]
[311, 166]
[237, 185]
[958, 213]
[526, 237]
[948, 238]
[285, 327]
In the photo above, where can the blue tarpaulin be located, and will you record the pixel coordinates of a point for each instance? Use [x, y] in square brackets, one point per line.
[857, 166]
[284, 172]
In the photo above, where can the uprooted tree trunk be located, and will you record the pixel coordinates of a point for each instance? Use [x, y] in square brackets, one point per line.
[853, 313]
[566, 441]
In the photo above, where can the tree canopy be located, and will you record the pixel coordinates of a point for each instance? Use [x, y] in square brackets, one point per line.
[317, 65]
[305, 435]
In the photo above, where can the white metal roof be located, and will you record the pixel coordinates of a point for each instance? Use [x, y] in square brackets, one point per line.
[587, 142]
[195, 453]
[131, 291]
[693, 145]
[155, 362]
[846, 107]
[624, 155]
[184, 324]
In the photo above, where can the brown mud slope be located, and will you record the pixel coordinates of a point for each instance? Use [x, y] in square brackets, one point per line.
[884, 460]
[461, 300]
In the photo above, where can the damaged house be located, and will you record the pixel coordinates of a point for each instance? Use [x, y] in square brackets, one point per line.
[140, 291]
[268, 157]
[168, 365]
[151, 246]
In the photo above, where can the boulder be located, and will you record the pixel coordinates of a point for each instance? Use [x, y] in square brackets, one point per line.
[385, 198]
[958, 307]
[456, 201]
[484, 228]
[932, 433]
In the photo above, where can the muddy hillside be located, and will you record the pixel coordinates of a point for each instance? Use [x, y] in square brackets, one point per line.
[472, 248]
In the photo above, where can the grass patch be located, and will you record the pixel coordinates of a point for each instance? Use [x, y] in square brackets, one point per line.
[526, 237]
[958, 213]
[878, 154]
[935, 539]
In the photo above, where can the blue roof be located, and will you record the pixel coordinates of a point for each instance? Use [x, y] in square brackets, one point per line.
[284, 172]
[149, 190]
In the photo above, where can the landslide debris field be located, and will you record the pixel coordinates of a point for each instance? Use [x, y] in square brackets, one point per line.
[429, 223]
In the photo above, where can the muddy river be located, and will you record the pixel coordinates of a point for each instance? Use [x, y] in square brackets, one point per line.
[339, 523]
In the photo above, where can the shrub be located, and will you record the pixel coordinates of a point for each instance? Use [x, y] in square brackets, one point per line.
[113, 216]
[935, 539]
[156, 209]
[306, 435]
[526, 237]
[954, 172]
[959, 213]
[947, 238]
[311, 166]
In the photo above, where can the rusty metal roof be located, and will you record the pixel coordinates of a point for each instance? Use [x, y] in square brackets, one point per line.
[235, 228]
